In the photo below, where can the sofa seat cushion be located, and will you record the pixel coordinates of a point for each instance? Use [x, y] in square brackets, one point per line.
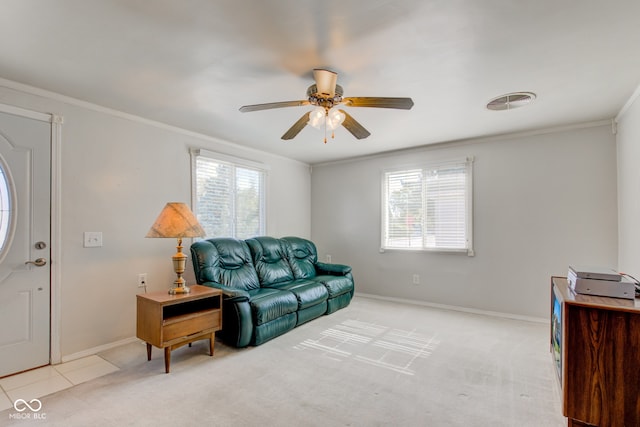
[307, 292]
[336, 285]
[269, 304]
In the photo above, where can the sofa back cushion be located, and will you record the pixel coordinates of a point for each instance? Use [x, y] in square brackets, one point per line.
[270, 260]
[303, 257]
[226, 261]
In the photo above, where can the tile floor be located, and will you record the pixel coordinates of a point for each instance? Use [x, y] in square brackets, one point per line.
[49, 379]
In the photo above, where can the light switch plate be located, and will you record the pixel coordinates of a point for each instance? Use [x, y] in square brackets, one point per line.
[92, 239]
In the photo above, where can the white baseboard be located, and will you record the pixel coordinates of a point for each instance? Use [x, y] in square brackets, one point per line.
[455, 308]
[98, 349]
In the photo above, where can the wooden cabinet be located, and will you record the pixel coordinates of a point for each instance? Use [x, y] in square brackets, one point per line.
[596, 341]
[171, 321]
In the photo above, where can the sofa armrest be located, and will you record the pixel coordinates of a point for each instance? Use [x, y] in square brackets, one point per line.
[230, 294]
[333, 269]
[237, 322]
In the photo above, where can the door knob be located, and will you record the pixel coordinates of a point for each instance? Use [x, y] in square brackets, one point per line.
[39, 262]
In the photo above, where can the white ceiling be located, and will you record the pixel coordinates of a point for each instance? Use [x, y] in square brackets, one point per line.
[193, 63]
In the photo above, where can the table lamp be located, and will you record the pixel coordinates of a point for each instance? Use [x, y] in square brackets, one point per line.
[177, 221]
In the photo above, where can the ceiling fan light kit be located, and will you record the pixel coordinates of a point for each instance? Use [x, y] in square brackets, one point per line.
[317, 117]
[326, 96]
[330, 119]
[334, 118]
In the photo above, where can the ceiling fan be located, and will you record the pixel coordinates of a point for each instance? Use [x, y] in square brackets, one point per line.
[326, 96]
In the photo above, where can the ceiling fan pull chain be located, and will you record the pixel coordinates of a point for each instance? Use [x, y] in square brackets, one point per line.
[325, 130]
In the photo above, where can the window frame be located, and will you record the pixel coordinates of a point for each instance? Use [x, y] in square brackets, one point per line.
[7, 208]
[234, 162]
[429, 166]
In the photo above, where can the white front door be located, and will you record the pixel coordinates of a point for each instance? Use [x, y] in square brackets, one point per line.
[25, 216]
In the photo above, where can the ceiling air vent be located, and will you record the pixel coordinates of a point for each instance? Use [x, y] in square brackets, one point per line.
[511, 101]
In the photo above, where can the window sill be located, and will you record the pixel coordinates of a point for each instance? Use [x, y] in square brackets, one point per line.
[468, 252]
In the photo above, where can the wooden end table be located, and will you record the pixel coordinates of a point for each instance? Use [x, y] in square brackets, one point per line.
[171, 321]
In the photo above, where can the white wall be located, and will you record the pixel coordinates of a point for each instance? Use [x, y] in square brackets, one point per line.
[541, 203]
[628, 140]
[117, 174]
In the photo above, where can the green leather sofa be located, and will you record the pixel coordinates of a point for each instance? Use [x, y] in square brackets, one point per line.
[270, 285]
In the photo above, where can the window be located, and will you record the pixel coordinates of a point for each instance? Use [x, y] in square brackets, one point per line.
[228, 195]
[5, 210]
[428, 207]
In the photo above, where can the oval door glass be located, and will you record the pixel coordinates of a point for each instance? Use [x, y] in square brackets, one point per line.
[5, 209]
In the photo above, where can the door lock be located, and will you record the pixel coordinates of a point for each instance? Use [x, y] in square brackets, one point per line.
[39, 262]
[40, 245]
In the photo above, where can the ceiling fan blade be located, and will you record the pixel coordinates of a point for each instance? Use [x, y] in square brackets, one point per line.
[325, 81]
[378, 102]
[297, 127]
[354, 127]
[271, 105]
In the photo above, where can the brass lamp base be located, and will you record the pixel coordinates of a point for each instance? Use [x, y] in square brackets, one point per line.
[179, 290]
[179, 264]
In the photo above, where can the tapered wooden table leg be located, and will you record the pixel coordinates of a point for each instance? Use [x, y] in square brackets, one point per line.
[167, 359]
[148, 351]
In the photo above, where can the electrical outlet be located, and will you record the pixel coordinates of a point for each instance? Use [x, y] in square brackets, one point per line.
[328, 259]
[142, 280]
[416, 279]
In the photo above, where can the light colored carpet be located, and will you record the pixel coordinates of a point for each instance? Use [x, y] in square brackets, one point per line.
[374, 363]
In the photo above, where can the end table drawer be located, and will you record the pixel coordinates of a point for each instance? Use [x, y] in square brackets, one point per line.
[183, 326]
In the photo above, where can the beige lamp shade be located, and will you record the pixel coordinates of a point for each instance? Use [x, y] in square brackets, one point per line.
[176, 220]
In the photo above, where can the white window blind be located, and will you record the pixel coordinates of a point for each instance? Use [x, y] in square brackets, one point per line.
[428, 208]
[228, 195]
